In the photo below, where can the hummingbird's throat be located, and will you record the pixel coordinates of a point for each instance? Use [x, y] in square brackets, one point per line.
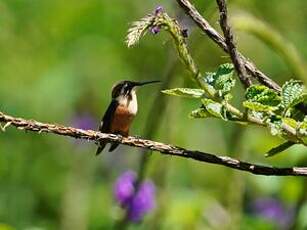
[129, 102]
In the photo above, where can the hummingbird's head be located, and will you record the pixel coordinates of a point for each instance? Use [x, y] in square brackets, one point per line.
[125, 88]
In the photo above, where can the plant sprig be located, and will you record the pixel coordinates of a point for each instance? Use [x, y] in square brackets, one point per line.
[264, 106]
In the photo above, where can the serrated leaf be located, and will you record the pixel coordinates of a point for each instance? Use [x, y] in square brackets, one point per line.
[209, 108]
[222, 81]
[275, 125]
[302, 131]
[290, 122]
[185, 92]
[292, 93]
[214, 108]
[263, 95]
[258, 107]
[302, 128]
[279, 148]
[261, 98]
[301, 98]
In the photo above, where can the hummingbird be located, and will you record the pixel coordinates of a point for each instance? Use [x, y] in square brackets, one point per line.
[121, 111]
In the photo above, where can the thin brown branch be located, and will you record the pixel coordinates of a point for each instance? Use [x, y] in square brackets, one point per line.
[166, 149]
[232, 50]
[217, 38]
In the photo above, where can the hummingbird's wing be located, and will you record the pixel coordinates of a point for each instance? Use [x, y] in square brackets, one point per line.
[105, 125]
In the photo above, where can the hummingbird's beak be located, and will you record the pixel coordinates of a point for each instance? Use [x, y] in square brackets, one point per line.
[145, 83]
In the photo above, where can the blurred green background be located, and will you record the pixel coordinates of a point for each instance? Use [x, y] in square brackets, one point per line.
[58, 62]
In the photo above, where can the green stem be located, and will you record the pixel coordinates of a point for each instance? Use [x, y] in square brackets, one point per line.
[174, 29]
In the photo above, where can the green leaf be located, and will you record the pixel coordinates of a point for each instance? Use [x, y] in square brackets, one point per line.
[185, 92]
[214, 108]
[222, 81]
[200, 113]
[290, 122]
[301, 98]
[209, 108]
[279, 148]
[275, 125]
[292, 93]
[263, 95]
[261, 98]
[258, 107]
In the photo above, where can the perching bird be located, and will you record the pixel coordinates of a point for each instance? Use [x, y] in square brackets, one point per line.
[120, 113]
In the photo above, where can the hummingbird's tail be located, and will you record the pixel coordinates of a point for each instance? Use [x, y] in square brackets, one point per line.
[113, 147]
[102, 145]
[100, 148]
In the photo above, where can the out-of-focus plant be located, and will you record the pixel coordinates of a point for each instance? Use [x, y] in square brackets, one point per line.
[83, 120]
[273, 39]
[273, 210]
[137, 202]
[277, 111]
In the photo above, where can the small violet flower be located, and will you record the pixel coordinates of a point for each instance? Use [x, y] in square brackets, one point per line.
[158, 10]
[137, 204]
[155, 29]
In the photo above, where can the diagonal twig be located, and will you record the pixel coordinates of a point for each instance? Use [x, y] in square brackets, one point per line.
[217, 38]
[232, 50]
[166, 149]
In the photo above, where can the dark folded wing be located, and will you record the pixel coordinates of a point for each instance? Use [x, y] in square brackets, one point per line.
[106, 121]
[105, 125]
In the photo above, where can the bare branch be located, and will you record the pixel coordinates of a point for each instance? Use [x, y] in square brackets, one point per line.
[232, 50]
[166, 149]
[217, 38]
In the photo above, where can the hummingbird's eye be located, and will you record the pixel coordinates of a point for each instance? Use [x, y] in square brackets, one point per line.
[126, 88]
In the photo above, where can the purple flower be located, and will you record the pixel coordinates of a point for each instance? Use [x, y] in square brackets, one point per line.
[124, 188]
[143, 202]
[274, 210]
[155, 29]
[158, 10]
[137, 204]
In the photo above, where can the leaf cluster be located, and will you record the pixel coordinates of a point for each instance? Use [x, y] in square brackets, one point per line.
[221, 82]
[262, 106]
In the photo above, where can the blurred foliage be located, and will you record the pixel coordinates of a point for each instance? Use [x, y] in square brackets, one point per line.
[59, 59]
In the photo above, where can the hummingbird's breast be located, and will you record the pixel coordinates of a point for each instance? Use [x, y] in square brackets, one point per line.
[124, 114]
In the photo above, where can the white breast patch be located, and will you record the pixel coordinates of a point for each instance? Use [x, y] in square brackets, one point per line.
[132, 104]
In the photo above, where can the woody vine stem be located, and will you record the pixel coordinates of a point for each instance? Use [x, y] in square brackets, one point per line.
[166, 149]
